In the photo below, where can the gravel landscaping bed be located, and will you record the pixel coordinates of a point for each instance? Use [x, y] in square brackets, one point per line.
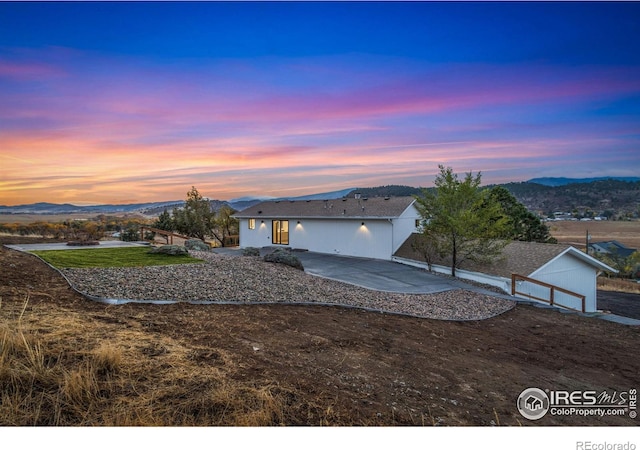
[242, 279]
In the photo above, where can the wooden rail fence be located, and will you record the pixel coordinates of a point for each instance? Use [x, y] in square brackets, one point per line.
[552, 290]
[165, 233]
[229, 241]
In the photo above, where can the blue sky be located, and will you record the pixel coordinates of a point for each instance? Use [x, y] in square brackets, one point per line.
[124, 102]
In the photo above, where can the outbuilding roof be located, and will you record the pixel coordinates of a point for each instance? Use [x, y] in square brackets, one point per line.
[342, 208]
[523, 258]
[613, 247]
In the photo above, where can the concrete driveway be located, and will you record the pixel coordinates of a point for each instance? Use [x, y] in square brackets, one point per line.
[374, 274]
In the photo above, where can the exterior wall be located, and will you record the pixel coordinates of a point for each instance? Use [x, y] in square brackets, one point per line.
[573, 274]
[403, 226]
[342, 237]
[258, 237]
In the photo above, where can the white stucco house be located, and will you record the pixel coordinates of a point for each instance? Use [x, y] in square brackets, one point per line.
[562, 266]
[371, 228]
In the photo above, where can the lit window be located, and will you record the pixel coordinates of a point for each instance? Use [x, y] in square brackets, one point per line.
[280, 232]
[252, 224]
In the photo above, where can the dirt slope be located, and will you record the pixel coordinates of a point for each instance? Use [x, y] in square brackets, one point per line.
[332, 365]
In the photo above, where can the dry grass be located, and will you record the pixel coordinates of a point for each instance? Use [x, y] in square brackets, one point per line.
[574, 232]
[55, 218]
[618, 285]
[56, 381]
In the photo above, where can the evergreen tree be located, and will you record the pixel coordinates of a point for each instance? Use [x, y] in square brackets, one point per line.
[196, 219]
[523, 225]
[164, 222]
[468, 223]
[225, 225]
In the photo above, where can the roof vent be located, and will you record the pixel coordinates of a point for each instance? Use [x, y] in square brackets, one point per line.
[387, 197]
[260, 212]
[344, 211]
[357, 195]
[344, 199]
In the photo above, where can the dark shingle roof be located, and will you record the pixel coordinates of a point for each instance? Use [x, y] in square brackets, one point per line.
[614, 247]
[348, 208]
[518, 257]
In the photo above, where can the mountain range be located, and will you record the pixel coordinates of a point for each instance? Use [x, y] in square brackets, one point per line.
[617, 194]
[564, 181]
[154, 208]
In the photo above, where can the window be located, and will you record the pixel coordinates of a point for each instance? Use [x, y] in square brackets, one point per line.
[280, 232]
[252, 224]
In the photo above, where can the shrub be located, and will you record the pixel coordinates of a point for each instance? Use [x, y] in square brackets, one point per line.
[173, 250]
[131, 234]
[251, 251]
[284, 256]
[197, 244]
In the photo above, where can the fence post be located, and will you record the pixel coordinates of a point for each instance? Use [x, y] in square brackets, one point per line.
[551, 295]
[513, 284]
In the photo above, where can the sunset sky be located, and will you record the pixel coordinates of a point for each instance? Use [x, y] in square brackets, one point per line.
[137, 102]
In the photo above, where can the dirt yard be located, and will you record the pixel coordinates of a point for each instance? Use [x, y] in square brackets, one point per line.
[324, 365]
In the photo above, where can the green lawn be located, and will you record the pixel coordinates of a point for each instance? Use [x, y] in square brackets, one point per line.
[110, 257]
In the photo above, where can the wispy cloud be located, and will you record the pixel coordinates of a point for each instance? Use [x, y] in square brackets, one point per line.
[106, 125]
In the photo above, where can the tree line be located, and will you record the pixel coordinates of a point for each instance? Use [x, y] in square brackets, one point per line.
[196, 219]
[199, 220]
[78, 229]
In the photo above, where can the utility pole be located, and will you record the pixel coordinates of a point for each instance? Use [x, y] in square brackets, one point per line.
[588, 238]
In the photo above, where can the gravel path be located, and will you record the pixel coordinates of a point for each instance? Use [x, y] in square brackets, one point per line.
[230, 278]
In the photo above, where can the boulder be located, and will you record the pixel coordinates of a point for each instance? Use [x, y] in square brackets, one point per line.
[251, 251]
[197, 244]
[173, 250]
[284, 256]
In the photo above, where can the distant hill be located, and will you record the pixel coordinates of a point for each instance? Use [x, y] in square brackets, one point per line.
[611, 197]
[66, 208]
[550, 181]
[322, 196]
[245, 202]
[392, 190]
[154, 208]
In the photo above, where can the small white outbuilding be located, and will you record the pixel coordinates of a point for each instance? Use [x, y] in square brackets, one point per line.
[363, 227]
[562, 266]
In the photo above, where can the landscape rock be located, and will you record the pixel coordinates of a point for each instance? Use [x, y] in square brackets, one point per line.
[284, 256]
[233, 278]
[251, 251]
[197, 244]
[173, 250]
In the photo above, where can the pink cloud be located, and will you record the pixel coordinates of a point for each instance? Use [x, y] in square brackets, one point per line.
[116, 125]
[33, 70]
